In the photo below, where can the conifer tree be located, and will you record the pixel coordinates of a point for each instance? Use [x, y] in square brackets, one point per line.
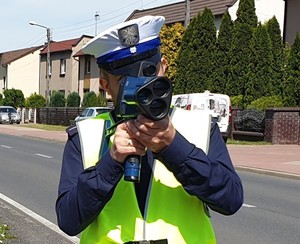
[240, 50]
[292, 80]
[222, 56]
[260, 72]
[183, 60]
[246, 13]
[278, 55]
[195, 61]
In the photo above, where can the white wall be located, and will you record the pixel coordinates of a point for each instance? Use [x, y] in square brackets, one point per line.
[265, 10]
[23, 74]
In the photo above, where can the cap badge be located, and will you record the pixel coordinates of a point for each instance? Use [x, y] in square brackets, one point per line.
[133, 50]
[129, 35]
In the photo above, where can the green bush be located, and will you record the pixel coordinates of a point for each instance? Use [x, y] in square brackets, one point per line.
[13, 97]
[102, 101]
[57, 99]
[1, 99]
[266, 102]
[237, 101]
[171, 37]
[90, 99]
[73, 100]
[35, 101]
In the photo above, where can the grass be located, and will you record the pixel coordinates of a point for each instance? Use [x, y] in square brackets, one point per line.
[4, 234]
[45, 127]
[240, 142]
[63, 128]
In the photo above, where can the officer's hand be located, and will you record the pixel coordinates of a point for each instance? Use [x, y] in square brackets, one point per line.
[124, 145]
[155, 135]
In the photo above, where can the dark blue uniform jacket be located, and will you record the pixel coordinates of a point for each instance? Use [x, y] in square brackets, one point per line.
[82, 194]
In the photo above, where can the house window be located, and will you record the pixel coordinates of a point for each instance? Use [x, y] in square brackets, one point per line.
[87, 68]
[62, 91]
[85, 90]
[4, 83]
[49, 68]
[62, 67]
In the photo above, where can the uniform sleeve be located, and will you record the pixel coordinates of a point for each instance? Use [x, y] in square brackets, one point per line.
[82, 194]
[210, 177]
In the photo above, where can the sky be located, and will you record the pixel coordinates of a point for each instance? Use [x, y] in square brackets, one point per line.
[65, 18]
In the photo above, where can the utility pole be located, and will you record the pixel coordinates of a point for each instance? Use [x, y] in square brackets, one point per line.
[96, 20]
[48, 67]
[187, 13]
[48, 64]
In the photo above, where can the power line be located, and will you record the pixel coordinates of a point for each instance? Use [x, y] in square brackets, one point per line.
[122, 10]
[87, 26]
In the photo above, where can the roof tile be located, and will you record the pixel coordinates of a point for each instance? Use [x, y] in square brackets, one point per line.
[61, 45]
[176, 12]
[10, 56]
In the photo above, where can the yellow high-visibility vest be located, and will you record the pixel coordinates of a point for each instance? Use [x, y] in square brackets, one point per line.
[170, 212]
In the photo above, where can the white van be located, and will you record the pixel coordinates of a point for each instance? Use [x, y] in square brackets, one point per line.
[218, 105]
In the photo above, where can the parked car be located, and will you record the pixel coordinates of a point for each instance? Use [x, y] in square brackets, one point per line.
[91, 112]
[9, 114]
[218, 105]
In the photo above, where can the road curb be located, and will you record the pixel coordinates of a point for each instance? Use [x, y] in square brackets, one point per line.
[268, 172]
[29, 227]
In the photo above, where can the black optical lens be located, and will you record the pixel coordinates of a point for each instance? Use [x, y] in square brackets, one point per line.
[144, 96]
[149, 70]
[161, 88]
[158, 108]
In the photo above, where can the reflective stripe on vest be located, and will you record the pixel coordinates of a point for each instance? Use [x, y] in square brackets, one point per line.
[170, 212]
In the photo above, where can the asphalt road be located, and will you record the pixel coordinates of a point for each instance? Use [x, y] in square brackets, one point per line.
[271, 213]
[29, 174]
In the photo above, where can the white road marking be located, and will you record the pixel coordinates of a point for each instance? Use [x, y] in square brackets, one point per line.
[5, 146]
[39, 218]
[293, 163]
[42, 155]
[248, 205]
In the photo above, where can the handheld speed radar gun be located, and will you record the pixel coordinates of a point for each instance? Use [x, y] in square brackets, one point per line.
[147, 95]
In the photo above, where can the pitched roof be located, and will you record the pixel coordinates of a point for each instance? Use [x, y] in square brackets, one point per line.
[80, 53]
[62, 46]
[10, 56]
[176, 12]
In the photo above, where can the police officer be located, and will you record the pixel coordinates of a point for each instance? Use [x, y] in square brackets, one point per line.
[179, 181]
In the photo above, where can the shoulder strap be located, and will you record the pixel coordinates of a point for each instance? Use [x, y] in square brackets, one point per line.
[194, 125]
[92, 134]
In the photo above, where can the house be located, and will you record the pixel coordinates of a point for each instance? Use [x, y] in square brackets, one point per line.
[291, 20]
[89, 74]
[69, 70]
[175, 12]
[265, 9]
[19, 70]
[66, 68]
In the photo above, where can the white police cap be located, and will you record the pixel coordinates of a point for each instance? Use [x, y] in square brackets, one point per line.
[126, 43]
